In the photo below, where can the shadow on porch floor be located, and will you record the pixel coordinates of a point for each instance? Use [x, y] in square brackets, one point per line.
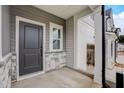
[62, 78]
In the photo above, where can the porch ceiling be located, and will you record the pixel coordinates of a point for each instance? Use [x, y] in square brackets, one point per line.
[64, 11]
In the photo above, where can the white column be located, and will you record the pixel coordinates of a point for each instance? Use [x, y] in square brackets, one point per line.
[98, 48]
[110, 55]
[0, 32]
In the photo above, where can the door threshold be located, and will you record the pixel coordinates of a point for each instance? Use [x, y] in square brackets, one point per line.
[30, 75]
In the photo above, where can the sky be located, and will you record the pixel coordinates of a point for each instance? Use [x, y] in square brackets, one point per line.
[118, 15]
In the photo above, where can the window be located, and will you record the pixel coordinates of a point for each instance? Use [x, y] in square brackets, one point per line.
[109, 27]
[56, 37]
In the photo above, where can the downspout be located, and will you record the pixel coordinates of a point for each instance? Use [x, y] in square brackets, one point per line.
[103, 47]
[115, 50]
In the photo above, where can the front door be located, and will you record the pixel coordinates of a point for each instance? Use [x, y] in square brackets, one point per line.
[30, 48]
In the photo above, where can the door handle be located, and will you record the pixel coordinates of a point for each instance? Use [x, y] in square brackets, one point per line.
[41, 51]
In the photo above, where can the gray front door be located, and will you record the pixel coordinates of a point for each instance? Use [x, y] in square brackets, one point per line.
[30, 48]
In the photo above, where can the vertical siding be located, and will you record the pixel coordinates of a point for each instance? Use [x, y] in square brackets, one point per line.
[70, 42]
[5, 30]
[35, 14]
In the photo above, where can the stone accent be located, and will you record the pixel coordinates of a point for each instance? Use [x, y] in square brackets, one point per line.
[5, 73]
[55, 60]
[8, 68]
[14, 67]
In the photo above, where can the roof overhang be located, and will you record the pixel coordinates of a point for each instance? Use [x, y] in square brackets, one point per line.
[65, 11]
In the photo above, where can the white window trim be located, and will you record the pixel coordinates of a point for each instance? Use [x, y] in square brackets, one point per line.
[0, 32]
[53, 25]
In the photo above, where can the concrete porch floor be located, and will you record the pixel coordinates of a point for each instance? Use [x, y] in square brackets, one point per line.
[62, 78]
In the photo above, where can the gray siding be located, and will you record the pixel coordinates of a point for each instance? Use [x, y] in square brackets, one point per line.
[36, 14]
[5, 30]
[70, 42]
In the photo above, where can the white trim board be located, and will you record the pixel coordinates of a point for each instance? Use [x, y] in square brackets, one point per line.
[18, 19]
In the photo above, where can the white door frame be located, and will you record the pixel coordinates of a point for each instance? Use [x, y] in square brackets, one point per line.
[18, 19]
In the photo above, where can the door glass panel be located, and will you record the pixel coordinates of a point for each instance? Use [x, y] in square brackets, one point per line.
[114, 45]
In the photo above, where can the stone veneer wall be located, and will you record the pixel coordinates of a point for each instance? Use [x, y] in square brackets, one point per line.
[53, 61]
[14, 67]
[5, 73]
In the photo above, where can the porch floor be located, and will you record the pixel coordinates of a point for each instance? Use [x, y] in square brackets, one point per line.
[62, 78]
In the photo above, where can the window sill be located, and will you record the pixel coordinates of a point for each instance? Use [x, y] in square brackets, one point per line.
[55, 51]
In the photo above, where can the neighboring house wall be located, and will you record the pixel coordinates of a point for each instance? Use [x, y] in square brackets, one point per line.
[86, 35]
[110, 49]
[53, 60]
[5, 30]
[120, 53]
[70, 42]
[120, 47]
[110, 38]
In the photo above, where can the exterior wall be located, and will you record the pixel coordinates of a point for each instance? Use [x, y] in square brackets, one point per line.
[5, 59]
[5, 30]
[98, 39]
[83, 13]
[110, 39]
[5, 72]
[86, 35]
[70, 41]
[35, 14]
[53, 60]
